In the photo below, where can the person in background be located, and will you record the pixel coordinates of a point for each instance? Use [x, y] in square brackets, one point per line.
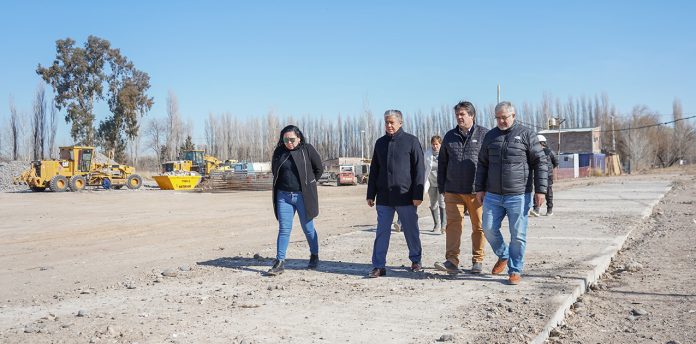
[437, 199]
[296, 167]
[511, 165]
[553, 163]
[395, 185]
[455, 178]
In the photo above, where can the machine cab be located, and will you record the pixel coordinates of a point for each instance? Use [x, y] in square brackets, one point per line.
[81, 157]
[196, 158]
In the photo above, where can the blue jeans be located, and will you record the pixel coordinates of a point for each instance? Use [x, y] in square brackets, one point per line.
[516, 207]
[287, 203]
[409, 225]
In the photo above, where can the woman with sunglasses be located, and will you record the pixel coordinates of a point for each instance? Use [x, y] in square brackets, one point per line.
[296, 167]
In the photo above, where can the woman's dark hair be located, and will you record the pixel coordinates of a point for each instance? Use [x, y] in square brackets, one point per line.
[290, 128]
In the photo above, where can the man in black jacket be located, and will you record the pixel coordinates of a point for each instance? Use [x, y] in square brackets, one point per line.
[456, 171]
[511, 165]
[397, 175]
[553, 163]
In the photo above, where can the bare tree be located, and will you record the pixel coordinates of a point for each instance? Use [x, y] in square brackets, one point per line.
[682, 140]
[175, 127]
[15, 129]
[53, 129]
[638, 144]
[38, 124]
[156, 133]
[209, 130]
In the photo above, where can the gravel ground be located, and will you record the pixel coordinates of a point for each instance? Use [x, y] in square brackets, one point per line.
[8, 171]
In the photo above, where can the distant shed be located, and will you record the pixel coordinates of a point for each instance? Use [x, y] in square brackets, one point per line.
[574, 140]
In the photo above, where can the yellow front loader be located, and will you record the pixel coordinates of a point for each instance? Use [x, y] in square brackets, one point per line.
[193, 161]
[76, 170]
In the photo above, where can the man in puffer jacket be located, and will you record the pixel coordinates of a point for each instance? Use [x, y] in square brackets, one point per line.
[455, 178]
[511, 165]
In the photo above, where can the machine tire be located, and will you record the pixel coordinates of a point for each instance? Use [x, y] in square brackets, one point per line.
[134, 182]
[58, 184]
[38, 188]
[117, 187]
[77, 183]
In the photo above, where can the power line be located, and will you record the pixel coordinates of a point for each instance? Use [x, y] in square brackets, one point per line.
[650, 125]
[621, 129]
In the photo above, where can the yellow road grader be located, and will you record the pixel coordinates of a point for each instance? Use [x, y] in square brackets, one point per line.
[76, 170]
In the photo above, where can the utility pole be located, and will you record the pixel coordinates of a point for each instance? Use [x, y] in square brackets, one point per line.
[362, 145]
[556, 122]
[498, 98]
[613, 141]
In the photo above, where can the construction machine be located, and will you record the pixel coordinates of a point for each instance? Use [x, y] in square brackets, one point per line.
[193, 169]
[75, 170]
[346, 175]
[193, 161]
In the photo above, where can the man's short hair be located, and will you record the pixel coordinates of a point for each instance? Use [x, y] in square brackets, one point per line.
[395, 113]
[435, 138]
[468, 107]
[506, 107]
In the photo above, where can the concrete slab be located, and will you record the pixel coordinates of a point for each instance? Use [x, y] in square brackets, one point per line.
[565, 254]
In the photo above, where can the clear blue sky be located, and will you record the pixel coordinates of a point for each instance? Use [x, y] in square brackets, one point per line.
[324, 57]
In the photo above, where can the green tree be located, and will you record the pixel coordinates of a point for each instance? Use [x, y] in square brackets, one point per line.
[188, 144]
[111, 141]
[78, 76]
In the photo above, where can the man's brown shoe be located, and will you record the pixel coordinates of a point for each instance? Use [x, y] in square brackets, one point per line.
[416, 267]
[499, 266]
[377, 272]
[514, 278]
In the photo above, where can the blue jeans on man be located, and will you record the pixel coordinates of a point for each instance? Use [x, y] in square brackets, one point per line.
[409, 223]
[287, 204]
[516, 207]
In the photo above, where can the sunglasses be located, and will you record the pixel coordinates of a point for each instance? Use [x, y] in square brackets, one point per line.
[289, 139]
[502, 118]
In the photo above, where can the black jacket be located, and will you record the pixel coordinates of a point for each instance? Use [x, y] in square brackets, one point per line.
[456, 165]
[397, 172]
[552, 161]
[309, 166]
[510, 160]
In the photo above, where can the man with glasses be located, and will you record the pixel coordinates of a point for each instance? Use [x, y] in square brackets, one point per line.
[397, 175]
[511, 164]
[455, 178]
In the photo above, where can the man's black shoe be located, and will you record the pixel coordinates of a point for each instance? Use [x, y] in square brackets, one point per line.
[313, 261]
[278, 268]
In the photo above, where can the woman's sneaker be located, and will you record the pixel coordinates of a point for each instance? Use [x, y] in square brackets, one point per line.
[277, 269]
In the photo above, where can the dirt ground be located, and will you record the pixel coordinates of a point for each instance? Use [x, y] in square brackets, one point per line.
[152, 266]
[648, 294]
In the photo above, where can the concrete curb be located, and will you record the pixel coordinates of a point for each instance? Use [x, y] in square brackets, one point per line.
[591, 277]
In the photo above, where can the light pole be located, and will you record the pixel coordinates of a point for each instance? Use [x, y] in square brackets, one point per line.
[613, 141]
[362, 145]
[556, 122]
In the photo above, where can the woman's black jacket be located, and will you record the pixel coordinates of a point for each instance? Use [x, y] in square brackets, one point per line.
[309, 167]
